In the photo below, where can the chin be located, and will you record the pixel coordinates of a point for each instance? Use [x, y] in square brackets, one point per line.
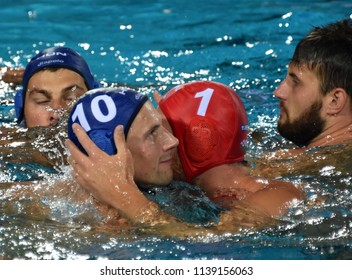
[282, 121]
[165, 180]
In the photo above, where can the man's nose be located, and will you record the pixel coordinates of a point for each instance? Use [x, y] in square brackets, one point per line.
[56, 105]
[56, 110]
[280, 91]
[170, 141]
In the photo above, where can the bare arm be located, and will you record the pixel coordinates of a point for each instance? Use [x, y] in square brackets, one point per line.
[12, 75]
[110, 180]
[270, 197]
[274, 198]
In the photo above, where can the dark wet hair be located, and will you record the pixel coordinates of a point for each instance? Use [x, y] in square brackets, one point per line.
[327, 51]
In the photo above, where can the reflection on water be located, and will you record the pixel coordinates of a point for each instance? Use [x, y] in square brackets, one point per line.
[326, 162]
[31, 153]
[46, 221]
[246, 45]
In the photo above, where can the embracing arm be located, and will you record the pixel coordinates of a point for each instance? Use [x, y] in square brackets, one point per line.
[270, 197]
[110, 180]
[274, 198]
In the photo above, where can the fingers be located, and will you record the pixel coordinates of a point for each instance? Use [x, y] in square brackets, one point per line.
[75, 169]
[88, 145]
[157, 96]
[119, 137]
[71, 161]
[76, 154]
[77, 158]
[72, 148]
[123, 155]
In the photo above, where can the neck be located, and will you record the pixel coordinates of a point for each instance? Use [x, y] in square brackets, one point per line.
[339, 133]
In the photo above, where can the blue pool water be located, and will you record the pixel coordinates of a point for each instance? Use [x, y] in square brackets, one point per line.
[156, 45]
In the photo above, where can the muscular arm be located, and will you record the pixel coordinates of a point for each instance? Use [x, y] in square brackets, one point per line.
[110, 180]
[270, 197]
[274, 198]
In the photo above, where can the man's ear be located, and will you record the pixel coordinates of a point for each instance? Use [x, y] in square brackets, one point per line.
[337, 100]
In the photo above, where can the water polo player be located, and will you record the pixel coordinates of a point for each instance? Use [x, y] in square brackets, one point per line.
[152, 148]
[100, 111]
[210, 122]
[52, 80]
[97, 172]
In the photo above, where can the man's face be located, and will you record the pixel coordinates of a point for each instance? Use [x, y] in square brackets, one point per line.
[179, 172]
[300, 106]
[152, 147]
[49, 93]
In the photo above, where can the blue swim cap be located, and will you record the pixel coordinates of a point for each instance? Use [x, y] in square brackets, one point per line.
[100, 111]
[56, 57]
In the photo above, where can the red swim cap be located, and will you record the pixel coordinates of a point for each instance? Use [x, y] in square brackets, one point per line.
[210, 122]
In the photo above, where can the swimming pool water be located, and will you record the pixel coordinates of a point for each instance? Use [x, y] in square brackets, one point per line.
[156, 45]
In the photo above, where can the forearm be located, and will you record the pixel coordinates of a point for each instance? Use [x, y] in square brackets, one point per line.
[110, 179]
[124, 196]
[12, 75]
[132, 204]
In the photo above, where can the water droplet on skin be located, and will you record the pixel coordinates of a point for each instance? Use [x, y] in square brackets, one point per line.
[329, 138]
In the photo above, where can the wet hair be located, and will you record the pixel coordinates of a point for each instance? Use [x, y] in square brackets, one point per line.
[327, 51]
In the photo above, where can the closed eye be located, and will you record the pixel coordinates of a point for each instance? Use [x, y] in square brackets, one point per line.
[42, 101]
[40, 96]
[153, 131]
[70, 97]
[71, 93]
[294, 78]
